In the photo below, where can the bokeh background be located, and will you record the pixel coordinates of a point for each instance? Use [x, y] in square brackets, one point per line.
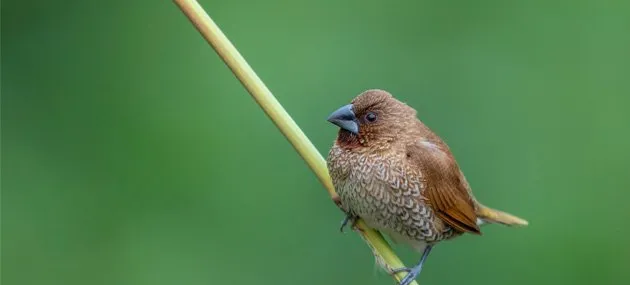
[131, 155]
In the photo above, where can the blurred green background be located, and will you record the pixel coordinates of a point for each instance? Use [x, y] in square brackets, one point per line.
[131, 155]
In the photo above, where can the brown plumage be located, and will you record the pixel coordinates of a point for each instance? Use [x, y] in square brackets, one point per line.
[396, 174]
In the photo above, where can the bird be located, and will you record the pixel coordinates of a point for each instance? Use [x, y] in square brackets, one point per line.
[392, 171]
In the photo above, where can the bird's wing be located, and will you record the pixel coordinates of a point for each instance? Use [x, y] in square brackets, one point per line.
[445, 190]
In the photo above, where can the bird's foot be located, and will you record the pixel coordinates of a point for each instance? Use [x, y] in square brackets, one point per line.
[349, 218]
[412, 273]
[398, 270]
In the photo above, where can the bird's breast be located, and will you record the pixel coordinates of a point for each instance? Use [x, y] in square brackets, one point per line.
[385, 192]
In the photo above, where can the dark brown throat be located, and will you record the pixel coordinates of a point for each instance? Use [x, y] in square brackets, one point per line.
[347, 139]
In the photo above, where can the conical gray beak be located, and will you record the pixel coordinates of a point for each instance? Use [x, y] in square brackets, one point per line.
[344, 118]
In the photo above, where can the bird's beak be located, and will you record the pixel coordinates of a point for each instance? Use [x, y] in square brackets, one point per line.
[345, 119]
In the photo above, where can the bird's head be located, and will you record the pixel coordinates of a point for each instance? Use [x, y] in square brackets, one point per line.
[373, 119]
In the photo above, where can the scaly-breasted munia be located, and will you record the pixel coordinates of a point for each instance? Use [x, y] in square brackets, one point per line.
[393, 172]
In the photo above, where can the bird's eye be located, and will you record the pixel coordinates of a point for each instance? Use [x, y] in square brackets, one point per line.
[370, 117]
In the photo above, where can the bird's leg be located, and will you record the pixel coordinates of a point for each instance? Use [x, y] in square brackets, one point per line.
[349, 217]
[414, 271]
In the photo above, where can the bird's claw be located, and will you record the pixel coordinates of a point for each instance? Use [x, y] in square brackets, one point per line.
[412, 273]
[402, 269]
[345, 221]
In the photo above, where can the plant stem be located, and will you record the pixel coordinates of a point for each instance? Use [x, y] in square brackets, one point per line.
[233, 59]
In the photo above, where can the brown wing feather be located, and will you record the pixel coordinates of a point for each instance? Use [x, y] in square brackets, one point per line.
[445, 189]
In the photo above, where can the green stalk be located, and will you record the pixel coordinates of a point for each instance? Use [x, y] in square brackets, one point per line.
[233, 59]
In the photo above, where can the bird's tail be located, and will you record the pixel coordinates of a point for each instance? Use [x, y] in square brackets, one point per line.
[489, 215]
